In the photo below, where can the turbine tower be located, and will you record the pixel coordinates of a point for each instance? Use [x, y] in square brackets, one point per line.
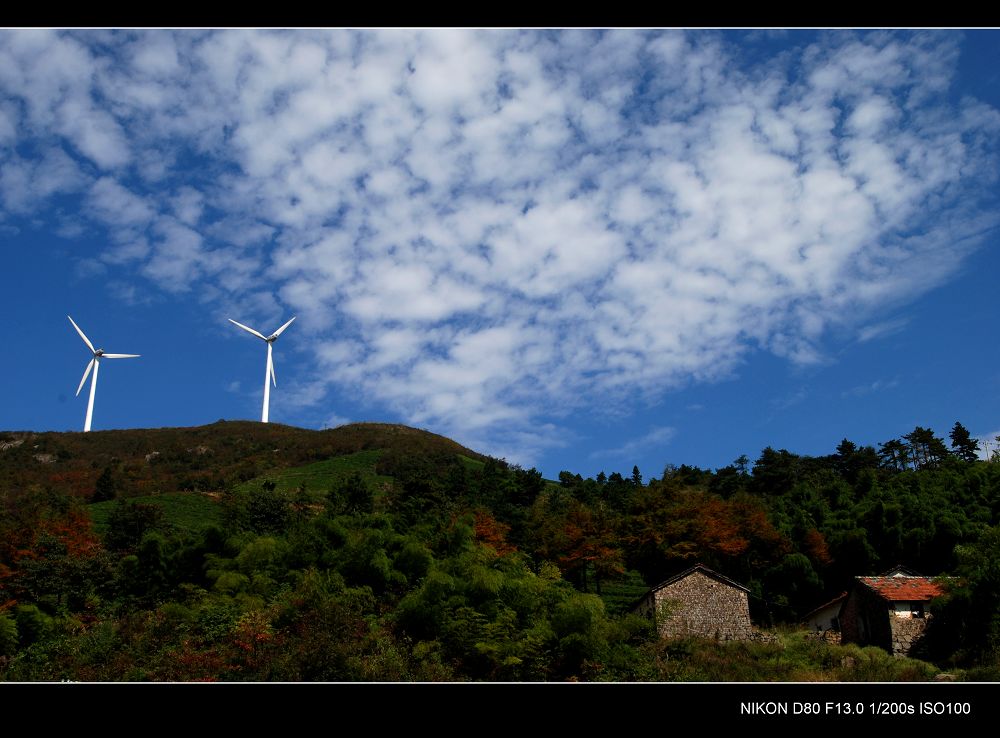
[269, 369]
[94, 364]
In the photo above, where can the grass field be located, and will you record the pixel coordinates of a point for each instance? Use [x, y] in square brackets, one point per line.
[794, 657]
[324, 475]
[183, 511]
[193, 512]
[471, 464]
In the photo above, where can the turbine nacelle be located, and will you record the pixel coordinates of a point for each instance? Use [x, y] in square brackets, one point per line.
[269, 367]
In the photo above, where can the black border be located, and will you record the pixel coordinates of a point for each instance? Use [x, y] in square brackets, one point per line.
[491, 707]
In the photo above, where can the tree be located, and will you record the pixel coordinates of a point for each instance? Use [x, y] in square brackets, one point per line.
[355, 496]
[107, 487]
[8, 635]
[966, 625]
[263, 511]
[794, 584]
[129, 522]
[726, 481]
[926, 450]
[774, 473]
[966, 448]
[894, 454]
[580, 624]
[579, 538]
[850, 460]
[569, 480]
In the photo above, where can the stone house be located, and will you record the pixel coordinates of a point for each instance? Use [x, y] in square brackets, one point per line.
[824, 622]
[890, 611]
[699, 602]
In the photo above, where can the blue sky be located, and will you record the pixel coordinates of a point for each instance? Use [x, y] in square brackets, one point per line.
[574, 249]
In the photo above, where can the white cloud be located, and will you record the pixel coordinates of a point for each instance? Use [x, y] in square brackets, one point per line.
[188, 205]
[881, 329]
[879, 385]
[25, 183]
[90, 268]
[489, 229]
[156, 55]
[656, 437]
[130, 294]
[177, 256]
[335, 421]
[117, 206]
[95, 133]
[989, 445]
[8, 124]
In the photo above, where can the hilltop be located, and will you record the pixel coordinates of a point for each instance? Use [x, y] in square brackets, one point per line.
[200, 458]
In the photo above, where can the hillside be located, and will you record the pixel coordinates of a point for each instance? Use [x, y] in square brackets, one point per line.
[379, 552]
[202, 458]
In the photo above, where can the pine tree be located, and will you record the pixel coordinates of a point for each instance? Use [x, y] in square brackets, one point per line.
[894, 454]
[966, 448]
[107, 486]
[926, 450]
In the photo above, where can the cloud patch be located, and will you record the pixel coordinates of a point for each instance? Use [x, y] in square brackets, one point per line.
[879, 385]
[490, 230]
[989, 445]
[656, 437]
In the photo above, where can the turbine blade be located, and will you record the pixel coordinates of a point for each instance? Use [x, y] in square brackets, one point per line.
[86, 373]
[85, 339]
[259, 335]
[282, 328]
[270, 363]
[120, 356]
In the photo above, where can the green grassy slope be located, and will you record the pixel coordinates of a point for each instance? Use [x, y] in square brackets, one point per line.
[321, 476]
[186, 512]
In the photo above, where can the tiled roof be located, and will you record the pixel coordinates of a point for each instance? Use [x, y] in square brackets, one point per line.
[704, 570]
[899, 588]
[838, 599]
[901, 571]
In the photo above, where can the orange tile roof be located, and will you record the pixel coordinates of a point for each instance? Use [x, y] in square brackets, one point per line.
[898, 588]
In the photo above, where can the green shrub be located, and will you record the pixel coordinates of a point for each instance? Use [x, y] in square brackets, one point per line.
[8, 635]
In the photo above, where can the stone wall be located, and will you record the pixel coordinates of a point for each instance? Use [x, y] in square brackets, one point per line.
[827, 636]
[869, 620]
[699, 605]
[864, 619]
[850, 630]
[905, 632]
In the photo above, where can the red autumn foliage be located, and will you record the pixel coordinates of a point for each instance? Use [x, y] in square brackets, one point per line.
[585, 538]
[75, 530]
[718, 529]
[492, 532]
[814, 546]
[79, 482]
[693, 525]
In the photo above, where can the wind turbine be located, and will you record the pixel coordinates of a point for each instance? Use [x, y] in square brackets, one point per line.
[94, 364]
[269, 370]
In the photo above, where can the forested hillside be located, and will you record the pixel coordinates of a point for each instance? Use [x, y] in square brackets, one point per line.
[369, 552]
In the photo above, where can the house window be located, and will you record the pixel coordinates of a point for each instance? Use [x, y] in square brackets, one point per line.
[917, 609]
